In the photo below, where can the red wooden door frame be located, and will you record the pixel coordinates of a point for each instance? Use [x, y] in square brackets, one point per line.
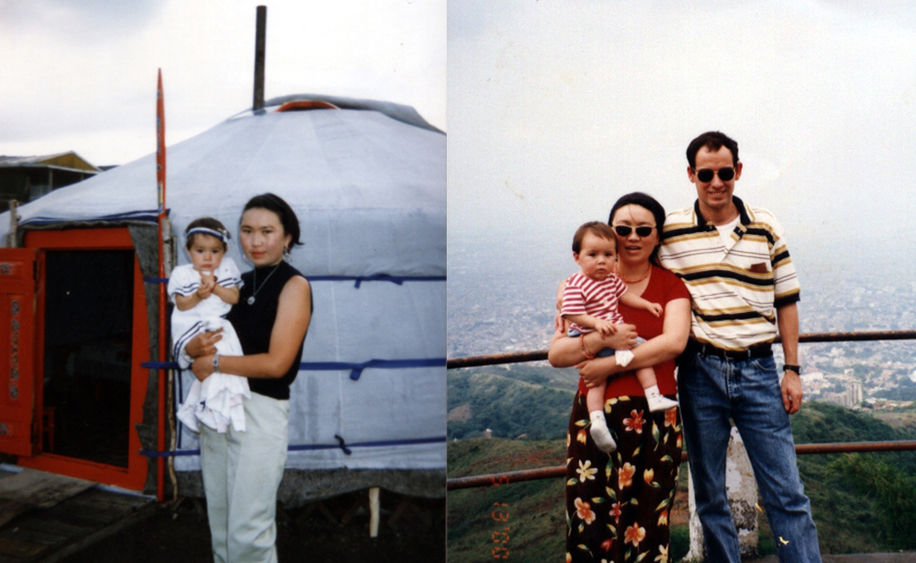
[18, 430]
[115, 238]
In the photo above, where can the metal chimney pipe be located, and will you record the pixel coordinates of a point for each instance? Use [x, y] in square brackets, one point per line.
[259, 58]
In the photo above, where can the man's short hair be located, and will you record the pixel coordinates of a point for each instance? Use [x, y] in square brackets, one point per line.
[596, 228]
[712, 140]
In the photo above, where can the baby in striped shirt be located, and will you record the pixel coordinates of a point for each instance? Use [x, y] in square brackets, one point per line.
[590, 301]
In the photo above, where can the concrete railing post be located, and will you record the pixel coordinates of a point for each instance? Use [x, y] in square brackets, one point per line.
[742, 499]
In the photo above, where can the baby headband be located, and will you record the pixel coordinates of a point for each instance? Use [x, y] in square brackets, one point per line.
[221, 235]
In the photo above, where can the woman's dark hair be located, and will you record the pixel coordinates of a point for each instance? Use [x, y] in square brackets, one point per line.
[652, 206]
[275, 203]
[206, 223]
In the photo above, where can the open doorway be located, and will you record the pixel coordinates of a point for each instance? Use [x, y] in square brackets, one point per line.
[91, 338]
[87, 354]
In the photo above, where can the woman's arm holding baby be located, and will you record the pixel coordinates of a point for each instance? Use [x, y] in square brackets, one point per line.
[666, 346]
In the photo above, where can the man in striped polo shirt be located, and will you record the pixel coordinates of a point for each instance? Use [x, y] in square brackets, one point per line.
[744, 292]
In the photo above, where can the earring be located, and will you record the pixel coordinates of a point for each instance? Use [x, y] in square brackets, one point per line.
[286, 254]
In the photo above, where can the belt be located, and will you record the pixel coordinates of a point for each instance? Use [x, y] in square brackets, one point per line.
[755, 351]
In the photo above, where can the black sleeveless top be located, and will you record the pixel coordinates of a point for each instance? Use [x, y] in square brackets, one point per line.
[254, 323]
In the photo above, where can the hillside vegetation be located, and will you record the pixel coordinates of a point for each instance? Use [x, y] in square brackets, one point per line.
[520, 401]
[861, 502]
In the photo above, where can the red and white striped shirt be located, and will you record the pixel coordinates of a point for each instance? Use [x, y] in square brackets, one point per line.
[596, 298]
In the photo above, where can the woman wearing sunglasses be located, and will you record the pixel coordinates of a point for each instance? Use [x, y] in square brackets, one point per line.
[618, 506]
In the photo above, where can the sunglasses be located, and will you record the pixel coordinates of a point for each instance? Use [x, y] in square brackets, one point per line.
[725, 174]
[625, 230]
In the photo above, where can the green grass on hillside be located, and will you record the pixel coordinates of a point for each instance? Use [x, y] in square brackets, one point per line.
[523, 401]
[861, 502]
[529, 515]
[527, 519]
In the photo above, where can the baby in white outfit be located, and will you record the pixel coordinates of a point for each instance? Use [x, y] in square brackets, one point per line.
[203, 293]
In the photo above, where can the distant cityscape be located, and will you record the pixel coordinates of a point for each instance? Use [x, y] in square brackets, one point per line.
[498, 305]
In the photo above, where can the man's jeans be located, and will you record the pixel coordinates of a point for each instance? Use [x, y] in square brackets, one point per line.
[714, 390]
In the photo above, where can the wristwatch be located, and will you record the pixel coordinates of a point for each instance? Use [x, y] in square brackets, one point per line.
[793, 367]
[216, 362]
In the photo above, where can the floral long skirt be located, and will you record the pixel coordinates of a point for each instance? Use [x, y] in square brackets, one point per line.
[617, 507]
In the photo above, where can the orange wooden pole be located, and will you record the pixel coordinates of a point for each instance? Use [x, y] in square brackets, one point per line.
[160, 183]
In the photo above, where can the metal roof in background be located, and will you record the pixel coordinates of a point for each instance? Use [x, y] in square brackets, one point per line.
[60, 161]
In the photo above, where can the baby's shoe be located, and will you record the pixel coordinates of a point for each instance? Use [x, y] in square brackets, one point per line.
[657, 401]
[600, 432]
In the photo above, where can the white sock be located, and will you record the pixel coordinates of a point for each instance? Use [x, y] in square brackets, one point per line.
[623, 357]
[657, 401]
[600, 432]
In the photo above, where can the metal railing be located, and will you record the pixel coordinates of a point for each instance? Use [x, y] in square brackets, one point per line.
[560, 471]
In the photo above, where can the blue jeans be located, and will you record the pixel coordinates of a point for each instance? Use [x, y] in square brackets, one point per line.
[714, 391]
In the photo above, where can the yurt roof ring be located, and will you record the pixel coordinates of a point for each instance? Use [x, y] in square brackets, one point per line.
[306, 105]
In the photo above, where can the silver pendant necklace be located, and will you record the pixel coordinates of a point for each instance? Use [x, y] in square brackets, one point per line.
[254, 293]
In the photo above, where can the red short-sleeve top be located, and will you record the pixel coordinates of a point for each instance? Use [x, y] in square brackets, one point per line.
[663, 287]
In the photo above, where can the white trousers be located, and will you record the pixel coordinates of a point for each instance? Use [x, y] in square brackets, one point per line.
[241, 474]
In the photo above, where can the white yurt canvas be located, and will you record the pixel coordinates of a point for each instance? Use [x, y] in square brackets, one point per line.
[367, 181]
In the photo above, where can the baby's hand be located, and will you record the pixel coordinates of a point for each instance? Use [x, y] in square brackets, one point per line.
[606, 328]
[560, 324]
[207, 283]
[655, 309]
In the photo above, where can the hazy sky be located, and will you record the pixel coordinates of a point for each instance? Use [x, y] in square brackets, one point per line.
[557, 108]
[553, 110]
[81, 74]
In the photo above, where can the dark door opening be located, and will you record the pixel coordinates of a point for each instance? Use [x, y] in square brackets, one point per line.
[87, 354]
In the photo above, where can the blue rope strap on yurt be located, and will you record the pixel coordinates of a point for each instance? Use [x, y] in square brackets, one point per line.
[356, 368]
[341, 444]
[147, 215]
[358, 280]
[159, 365]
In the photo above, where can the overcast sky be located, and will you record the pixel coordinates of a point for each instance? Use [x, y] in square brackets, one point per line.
[553, 110]
[557, 108]
[81, 74]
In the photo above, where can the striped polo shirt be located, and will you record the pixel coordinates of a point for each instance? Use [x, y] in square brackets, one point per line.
[735, 288]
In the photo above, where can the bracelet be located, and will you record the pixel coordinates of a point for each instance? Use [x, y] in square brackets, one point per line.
[216, 362]
[792, 367]
[585, 352]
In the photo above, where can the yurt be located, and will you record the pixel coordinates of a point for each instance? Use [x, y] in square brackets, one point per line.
[84, 390]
